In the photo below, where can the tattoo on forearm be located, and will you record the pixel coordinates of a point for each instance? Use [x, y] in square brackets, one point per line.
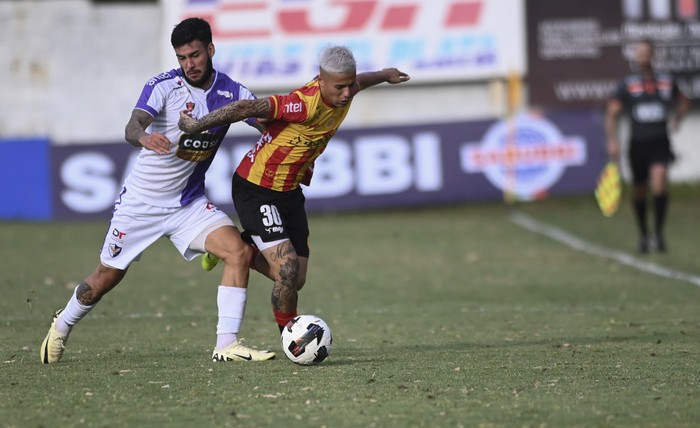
[235, 112]
[137, 125]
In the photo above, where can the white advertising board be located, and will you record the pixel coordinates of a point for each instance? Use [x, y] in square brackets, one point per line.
[270, 44]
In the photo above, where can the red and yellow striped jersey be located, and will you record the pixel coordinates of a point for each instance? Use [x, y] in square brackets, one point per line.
[301, 124]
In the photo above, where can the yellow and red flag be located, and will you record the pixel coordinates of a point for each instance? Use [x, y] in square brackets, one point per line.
[609, 189]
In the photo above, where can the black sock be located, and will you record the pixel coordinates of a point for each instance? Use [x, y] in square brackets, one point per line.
[640, 213]
[660, 208]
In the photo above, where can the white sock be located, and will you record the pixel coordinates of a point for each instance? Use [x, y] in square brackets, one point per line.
[73, 312]
[231, 302]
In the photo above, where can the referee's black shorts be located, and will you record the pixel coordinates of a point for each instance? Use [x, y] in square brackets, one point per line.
[270, 214]
[644, 153]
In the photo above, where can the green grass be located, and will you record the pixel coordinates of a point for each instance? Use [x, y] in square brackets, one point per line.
[451, 316]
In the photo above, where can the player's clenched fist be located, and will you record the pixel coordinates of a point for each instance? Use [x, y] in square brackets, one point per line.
[187, 123]
[395, 76]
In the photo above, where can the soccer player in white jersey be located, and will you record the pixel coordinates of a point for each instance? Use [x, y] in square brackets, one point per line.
[163, 195]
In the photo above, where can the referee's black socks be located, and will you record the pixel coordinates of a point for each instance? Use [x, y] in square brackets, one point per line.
[640, 214]
[660, 209]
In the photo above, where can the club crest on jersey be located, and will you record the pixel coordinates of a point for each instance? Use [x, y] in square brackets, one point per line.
[330, 123]
[114, 250]
[189, 105]
[197, 147]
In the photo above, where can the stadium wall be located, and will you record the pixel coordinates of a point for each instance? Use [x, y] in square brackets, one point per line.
[75, 68]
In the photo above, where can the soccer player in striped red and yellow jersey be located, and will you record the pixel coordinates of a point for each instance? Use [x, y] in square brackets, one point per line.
[301, 125]
[266, 192]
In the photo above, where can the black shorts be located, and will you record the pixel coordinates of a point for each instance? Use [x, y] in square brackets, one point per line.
[271, 215]
[643, 154]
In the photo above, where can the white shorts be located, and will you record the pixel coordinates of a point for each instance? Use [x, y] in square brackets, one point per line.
[135, 226]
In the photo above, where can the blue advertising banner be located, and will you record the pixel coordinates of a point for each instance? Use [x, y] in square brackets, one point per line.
[25, 179]
[529, 157]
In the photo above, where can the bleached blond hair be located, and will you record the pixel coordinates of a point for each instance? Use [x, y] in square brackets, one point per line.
[337, 60]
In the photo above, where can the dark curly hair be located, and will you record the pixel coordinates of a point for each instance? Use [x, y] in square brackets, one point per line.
[189, 30]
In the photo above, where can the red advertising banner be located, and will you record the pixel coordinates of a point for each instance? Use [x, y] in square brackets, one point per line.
[578, 51]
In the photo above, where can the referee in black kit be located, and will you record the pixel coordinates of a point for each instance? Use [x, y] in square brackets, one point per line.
[649, 98]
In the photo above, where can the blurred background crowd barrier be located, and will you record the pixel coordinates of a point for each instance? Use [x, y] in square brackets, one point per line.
[506, 98]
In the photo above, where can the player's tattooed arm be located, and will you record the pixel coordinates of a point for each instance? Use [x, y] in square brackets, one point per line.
[135, 133]
[136, 127]
[230, 113]
[388, 75]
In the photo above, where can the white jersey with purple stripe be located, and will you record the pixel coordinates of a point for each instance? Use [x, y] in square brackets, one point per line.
[177, 178]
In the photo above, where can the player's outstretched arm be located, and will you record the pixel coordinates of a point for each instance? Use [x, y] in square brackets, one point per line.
[388, 75]
[230, 113]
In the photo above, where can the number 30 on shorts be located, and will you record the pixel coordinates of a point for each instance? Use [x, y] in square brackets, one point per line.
[271, 217]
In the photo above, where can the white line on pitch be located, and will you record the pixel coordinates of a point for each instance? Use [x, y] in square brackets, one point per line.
[577, 243]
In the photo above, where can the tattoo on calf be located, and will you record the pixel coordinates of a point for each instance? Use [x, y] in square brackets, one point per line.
[284, 292]
[84, 294]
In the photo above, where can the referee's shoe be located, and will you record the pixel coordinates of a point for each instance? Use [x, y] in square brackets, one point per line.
[659, 244]
[643, 245]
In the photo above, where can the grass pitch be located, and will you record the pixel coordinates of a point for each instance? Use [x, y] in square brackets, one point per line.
[451, 316]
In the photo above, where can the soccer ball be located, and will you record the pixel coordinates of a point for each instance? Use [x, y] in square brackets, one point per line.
[306, 340]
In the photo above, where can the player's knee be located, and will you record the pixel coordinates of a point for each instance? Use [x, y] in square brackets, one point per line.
[237, 255]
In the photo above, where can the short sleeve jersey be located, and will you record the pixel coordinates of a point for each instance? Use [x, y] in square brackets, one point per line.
[177, 178]
[648, 103]
[301, 126]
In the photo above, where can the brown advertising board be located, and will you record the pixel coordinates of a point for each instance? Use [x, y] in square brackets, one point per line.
[577, 51]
